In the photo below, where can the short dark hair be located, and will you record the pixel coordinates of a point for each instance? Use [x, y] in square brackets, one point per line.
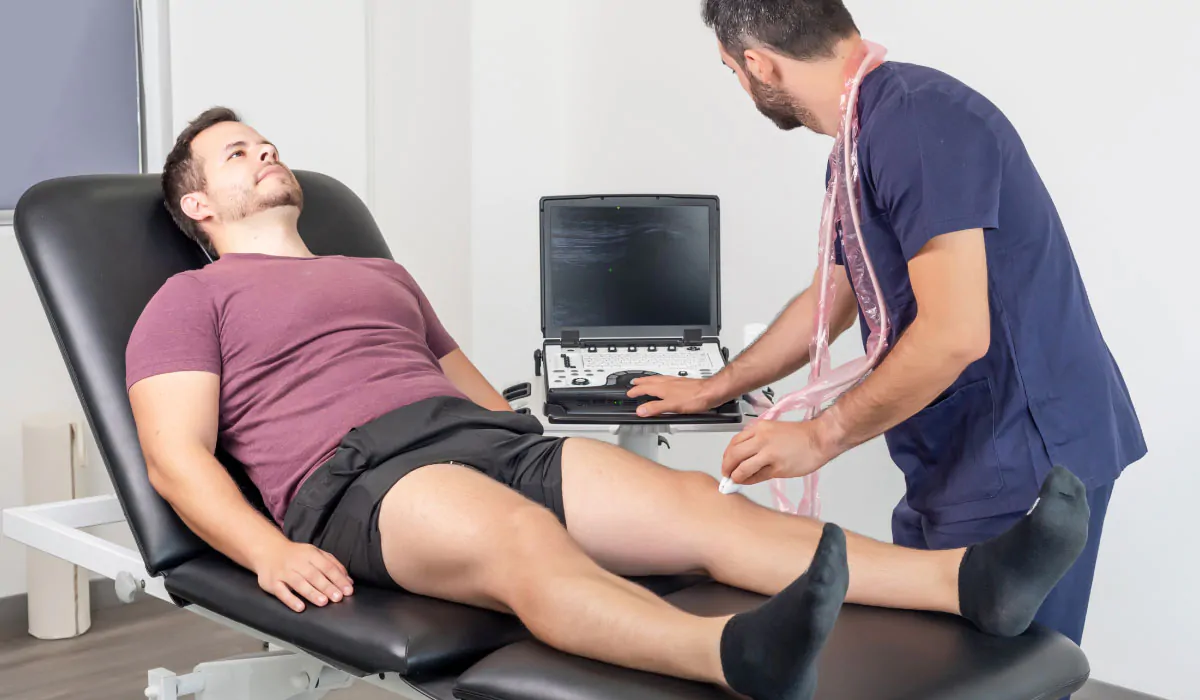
[801, 29]
[182, 174]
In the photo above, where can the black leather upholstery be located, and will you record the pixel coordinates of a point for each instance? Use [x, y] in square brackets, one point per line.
[98, 247]
[373, 631]
[873, 654]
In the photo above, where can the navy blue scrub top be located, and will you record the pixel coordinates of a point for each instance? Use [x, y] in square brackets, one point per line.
[937, 157]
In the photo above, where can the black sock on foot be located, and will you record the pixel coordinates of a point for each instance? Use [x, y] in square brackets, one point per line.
[771, 651]
[1003, 582]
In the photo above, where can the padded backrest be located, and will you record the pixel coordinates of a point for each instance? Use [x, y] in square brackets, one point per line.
[98, 248]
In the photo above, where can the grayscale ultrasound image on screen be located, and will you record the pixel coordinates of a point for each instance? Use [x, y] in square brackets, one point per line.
[629, 266]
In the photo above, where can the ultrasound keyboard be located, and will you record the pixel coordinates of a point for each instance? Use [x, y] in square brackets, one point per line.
[646, 360]
[601, 365]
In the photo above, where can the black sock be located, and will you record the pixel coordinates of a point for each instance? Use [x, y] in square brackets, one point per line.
[771, 651]
[1003, 582]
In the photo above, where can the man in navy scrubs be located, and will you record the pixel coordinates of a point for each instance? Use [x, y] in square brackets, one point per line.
[996, 368]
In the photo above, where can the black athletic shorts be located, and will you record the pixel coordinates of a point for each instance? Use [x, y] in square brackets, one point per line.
[337, 507]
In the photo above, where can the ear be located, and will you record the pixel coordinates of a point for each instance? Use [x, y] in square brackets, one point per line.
[761, 65]
[196, 206]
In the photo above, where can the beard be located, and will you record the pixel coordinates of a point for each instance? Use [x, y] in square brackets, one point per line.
[779, 107]
[245, 203]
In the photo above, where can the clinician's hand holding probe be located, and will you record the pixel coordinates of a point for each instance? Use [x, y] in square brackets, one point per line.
[772, 449]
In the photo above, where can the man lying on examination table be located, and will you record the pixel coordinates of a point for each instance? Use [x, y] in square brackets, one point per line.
[385, 458]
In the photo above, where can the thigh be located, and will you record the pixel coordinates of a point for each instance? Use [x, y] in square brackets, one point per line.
[451, 532]
[634, 516]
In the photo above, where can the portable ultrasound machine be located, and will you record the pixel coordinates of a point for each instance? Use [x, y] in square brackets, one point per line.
[631, 287]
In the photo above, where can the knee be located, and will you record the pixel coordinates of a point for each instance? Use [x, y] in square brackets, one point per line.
[525, 541]
[697, 485]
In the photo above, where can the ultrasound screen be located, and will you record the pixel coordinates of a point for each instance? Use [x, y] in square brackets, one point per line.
[630, 266]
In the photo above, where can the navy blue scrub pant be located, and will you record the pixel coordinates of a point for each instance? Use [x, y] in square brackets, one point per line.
[1066, 607]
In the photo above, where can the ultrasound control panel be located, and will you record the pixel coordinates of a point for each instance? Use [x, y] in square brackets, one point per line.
[611, 364]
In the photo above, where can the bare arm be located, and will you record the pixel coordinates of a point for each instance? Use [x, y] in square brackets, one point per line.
[780, 351]
[951, 330]
[784, 348]
[176, 416]
[470, 381]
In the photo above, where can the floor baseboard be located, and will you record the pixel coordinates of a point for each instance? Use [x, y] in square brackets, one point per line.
[14, 609]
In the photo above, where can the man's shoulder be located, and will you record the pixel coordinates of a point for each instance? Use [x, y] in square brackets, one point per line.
[387, 266]
[183, 295]
[181, 286]
[176, 331]
[907, 97]
[900, 82]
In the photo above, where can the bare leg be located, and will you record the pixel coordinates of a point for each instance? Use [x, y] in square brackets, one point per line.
[452, 533]
[636, 517]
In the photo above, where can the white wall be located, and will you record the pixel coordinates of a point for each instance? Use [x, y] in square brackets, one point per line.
[517, 136]
[420, 132]
[621, 95]
[295, 71]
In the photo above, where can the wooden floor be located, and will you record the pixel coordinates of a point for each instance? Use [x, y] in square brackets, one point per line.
[111, 660]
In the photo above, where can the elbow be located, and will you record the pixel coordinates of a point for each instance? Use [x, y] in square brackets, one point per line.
[157, 480]
[843, 319]
[969, 345]
[160, 478]
[953, 344]
[846, 322]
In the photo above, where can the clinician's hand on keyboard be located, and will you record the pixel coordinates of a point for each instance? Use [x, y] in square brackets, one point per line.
[675, 395]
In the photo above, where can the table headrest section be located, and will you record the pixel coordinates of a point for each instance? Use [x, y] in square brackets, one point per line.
[98, 247]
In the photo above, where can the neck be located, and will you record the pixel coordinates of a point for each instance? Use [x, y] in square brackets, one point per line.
[832, 77]
[270, 232]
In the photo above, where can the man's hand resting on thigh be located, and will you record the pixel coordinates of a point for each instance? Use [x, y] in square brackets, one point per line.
[304, 569]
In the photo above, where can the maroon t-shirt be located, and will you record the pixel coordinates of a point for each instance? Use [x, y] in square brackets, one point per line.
[306, 348]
